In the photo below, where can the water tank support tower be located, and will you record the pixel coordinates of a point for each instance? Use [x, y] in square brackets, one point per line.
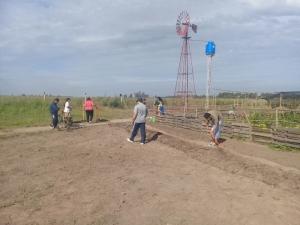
[210, 52]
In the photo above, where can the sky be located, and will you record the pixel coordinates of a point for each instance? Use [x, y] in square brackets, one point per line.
[112, 47]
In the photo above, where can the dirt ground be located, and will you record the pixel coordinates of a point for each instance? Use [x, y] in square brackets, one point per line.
[92, 175]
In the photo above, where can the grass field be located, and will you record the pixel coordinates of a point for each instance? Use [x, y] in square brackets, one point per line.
[24, 111]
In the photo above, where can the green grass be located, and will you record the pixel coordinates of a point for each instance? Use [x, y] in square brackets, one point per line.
[284, 120]
[238, 138]
[283, 148]
[22, 111]
[27, 111]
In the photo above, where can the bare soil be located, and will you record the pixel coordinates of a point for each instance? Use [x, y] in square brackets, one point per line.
[92, 175]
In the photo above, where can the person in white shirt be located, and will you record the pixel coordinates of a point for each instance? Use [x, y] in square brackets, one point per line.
[67, 108]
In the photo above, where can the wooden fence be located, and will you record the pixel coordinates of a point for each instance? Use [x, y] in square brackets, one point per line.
[286, 136]
[278, 135]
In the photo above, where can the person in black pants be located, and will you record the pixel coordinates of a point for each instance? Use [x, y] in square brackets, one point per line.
[54, 113]
[89, 109]
[138, 121]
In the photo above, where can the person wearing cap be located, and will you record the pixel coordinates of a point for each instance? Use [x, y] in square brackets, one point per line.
[54, 113]
[140, 113]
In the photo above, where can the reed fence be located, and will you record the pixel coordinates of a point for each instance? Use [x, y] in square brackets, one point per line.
[277, 135]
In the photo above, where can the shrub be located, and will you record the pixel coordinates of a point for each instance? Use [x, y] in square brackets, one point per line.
[116, 103]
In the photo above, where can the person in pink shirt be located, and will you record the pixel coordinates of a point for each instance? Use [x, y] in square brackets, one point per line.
[89, 109]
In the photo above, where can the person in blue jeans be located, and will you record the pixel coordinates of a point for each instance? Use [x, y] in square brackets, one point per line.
[138, 121]
[216, 119]
[54, 113]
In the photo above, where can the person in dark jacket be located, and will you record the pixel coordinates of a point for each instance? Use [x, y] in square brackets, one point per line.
[54, 113]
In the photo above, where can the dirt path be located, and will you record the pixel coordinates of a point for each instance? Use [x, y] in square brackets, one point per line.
[93, 175]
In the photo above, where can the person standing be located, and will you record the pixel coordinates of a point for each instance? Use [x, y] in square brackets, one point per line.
[160, 107]
[67, 110]
[54, 113]
[155, 104]
[140, 113]
[89, 109]
[216, 119]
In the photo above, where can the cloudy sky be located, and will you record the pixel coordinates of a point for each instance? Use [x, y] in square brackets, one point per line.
[108, 47]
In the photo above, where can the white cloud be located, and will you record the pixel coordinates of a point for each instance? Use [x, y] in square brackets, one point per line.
[120, 46]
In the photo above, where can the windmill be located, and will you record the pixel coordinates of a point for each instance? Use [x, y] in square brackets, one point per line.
[185, 84]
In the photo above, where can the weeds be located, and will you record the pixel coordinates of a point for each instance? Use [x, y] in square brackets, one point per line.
[238, 138]
[283, 148]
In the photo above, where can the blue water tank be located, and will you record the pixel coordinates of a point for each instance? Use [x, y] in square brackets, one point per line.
[210, 48]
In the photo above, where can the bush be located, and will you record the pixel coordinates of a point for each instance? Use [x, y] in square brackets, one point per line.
[116, 103]
[105, 101]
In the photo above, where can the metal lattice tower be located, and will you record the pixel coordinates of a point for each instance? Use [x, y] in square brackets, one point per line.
[185, 84]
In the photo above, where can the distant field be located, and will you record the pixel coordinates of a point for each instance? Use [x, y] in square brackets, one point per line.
[23, 111]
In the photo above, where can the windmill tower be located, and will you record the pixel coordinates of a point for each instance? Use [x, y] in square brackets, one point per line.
[185, 84]
[210, 52]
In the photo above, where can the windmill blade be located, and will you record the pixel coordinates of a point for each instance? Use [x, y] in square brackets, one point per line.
[194, 28]
[177, 24]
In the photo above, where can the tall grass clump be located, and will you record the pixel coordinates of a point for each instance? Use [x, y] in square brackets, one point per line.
[23, 111]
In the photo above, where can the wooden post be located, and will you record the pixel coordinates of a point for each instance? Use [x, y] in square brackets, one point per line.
[280, 98]
[121, 106]
[44, 96]
[83, 111]
[276, 117]
[216, 102]
[256, 101]
[196, 112]
[83, 106]
[246, 116]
